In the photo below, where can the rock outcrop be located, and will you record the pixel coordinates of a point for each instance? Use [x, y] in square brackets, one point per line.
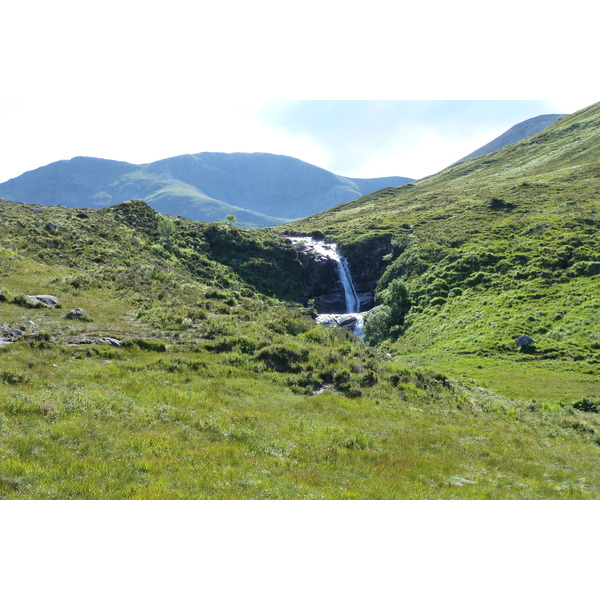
[321, 282]
[523, 341]
[110, 341]
[51, 301]
[321, 279]
[367, 264]
[78, 313]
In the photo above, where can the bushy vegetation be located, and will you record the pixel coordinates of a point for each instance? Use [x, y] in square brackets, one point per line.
[388, 319]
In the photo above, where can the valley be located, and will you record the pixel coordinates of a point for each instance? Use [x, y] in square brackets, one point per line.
[219, 383]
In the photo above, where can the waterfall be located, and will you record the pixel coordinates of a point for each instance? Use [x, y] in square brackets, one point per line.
[352, 301]
[352, 318]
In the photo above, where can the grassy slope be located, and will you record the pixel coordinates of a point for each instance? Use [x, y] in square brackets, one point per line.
[178, 199]
[493, 248]
[211, 395]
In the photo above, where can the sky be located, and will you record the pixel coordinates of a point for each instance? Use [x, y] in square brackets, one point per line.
[361, 93]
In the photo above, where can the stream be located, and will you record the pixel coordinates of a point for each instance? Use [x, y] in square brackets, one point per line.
[352, 319]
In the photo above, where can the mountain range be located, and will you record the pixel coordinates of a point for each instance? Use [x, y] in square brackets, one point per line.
[259, 189]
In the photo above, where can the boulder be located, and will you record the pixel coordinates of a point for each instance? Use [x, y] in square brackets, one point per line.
[110, 341]
[51, 301]
[78, 313]
[353, 322]
[524, 340]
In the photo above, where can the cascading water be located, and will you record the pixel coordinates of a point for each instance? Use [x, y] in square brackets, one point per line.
[352, 301]
[352, 318]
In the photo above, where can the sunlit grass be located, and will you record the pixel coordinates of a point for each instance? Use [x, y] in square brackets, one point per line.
[116, 430]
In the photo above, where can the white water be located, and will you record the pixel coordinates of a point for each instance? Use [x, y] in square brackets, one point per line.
[351, 298]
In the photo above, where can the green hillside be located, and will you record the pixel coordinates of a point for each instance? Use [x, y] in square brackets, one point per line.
[492, 248]
[197, 375]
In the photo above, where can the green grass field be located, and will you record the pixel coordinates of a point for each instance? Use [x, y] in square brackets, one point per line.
[221, 418]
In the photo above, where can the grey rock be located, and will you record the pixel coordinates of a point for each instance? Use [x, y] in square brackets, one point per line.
[353, 322]
[336, 320]
[110, 341]
[77, 313]
[37, 210]
[524, 340]
[51, 301]
[320, 279]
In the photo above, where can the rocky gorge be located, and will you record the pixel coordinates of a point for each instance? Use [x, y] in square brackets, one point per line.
[328, 282]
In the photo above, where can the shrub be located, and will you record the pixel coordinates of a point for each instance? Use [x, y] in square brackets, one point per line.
[166, 228]
[291, 325]
[22, 300]
[377, 325]
[241, 344]
[39, 339]
[143, 344]
[285, 358]
[396, 297]
[586, 268]
[396, 304]
[350, 389]
[476, 279]
[13, 377]
[588, 405]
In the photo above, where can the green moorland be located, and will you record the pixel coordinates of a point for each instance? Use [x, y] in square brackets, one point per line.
[223, 388]
[490, 249]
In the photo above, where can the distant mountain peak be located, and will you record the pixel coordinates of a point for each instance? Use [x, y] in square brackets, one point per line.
[516, 133]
